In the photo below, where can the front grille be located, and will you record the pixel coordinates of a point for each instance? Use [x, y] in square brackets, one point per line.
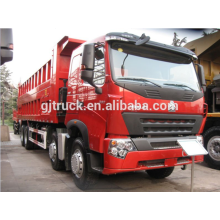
[162, 124]
[167, 125]
[168, 121]
[167, 129]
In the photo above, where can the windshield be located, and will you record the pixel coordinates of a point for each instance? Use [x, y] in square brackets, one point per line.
[152, 66]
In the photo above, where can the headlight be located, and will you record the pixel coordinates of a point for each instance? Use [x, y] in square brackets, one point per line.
[120, 147]
[200, 139]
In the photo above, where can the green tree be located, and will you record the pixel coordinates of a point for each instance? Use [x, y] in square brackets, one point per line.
[5, 78]
[7, 88]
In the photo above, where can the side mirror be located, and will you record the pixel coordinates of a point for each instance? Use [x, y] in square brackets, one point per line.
[87, 75]
[6, 45]
[88, 57]
[87, 67]
[201, 76]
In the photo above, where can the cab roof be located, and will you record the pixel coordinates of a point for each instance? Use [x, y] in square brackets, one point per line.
[131, 38]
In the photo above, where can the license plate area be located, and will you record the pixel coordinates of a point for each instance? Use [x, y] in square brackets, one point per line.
[192, 147]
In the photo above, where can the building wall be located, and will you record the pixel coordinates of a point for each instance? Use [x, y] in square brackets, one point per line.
[208, 51]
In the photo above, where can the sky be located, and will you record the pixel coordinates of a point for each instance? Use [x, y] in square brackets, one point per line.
[39, 25]
[33, 46]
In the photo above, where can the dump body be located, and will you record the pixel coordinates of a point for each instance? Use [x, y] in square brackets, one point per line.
[208, 51]
[44, 85]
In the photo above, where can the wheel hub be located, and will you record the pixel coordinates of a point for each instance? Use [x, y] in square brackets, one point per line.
[52, 151]
[217, 148]
[213, 147]
[77, 163]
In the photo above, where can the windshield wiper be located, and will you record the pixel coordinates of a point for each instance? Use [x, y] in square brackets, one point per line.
[123, 67]
[179, 85]
[139, 79]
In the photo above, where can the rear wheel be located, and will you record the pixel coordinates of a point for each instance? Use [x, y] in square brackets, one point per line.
[160, 173]
[27, 144]
[81, 176]
[22, 135]
[212, 145]
[14, 128]
[56, 163]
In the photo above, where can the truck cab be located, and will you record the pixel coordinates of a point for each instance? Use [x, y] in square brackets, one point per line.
[134, 103]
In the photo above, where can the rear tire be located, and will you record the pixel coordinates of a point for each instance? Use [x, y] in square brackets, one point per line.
[160, 173]
[15, 130]
[27, 144]
[81, 176]
[212, 145]
[22, 135]
[56, 163]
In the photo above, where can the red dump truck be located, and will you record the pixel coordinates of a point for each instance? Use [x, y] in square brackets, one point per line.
[115, 104]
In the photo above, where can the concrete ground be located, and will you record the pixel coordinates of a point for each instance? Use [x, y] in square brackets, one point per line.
[31, 171]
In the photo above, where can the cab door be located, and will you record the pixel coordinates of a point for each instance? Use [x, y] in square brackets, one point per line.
[74, 80]
[94, 113]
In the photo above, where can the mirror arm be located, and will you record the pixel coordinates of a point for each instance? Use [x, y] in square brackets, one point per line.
[201, 76]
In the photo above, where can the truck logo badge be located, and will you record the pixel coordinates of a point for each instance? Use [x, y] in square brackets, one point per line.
[171, 106]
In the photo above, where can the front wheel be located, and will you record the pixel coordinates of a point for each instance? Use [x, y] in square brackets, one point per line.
[160, 173]
[212, 145]
[81, 176]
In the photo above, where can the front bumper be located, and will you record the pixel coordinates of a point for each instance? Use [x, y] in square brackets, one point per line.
[147, 159]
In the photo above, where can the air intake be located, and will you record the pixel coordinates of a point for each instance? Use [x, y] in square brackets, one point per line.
[188, 97]
[152, 163]
[153, 94]
[164, 145]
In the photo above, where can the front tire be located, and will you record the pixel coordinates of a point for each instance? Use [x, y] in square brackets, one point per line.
[212, 145]
[81, 176]
[56, 163]
[160, 173]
